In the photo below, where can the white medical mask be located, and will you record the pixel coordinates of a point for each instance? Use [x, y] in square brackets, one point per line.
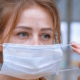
[31, 62]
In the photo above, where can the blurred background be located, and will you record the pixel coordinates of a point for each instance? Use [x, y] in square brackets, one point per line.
[70, 31]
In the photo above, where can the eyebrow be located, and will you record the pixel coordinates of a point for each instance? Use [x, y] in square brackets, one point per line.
[24, 27]
[29, 28]
[44, 29]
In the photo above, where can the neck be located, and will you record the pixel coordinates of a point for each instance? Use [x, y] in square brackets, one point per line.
[4, 77]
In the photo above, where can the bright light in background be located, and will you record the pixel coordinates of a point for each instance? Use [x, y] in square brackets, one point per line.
[75, 32]
[64, 28]
[75, 36]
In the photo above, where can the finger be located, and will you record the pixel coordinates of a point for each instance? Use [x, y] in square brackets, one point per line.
[75, 45]
[76, 50]
[78, 77]
[73, 42]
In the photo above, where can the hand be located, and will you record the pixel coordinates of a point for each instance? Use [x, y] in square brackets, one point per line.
[78, 77]
[76, 48]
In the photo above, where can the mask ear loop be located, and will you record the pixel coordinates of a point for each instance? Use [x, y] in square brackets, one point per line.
[68, 69]
[62, 45]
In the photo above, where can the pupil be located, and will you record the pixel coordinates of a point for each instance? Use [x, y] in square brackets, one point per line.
[23, 34]
[45, 36]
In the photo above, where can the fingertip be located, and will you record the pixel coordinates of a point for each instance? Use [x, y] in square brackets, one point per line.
[78, 77]
[73, 42]
[74, 49]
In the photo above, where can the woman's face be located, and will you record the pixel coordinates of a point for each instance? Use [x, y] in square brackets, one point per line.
[35, 27]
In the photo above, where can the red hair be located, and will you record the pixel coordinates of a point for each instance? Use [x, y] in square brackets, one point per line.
[12, 9]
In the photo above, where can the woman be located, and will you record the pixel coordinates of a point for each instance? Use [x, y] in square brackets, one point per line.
[28, 22]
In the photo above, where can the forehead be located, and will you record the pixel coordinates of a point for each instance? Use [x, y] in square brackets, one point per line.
[35, 15]
[35, 11]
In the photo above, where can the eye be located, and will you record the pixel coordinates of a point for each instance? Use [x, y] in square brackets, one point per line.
[46, 36]
[23, 34]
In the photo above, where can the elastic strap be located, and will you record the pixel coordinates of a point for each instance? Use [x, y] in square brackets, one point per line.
[68, 69]
[65, 45]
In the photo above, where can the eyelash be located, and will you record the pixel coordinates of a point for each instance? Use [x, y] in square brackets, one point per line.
[47, 35]
[22, 33]
[25, 35]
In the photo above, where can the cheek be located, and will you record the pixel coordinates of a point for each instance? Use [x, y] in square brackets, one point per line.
[17, 40]
[3, 38]
[52, 41]
[13, 40]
